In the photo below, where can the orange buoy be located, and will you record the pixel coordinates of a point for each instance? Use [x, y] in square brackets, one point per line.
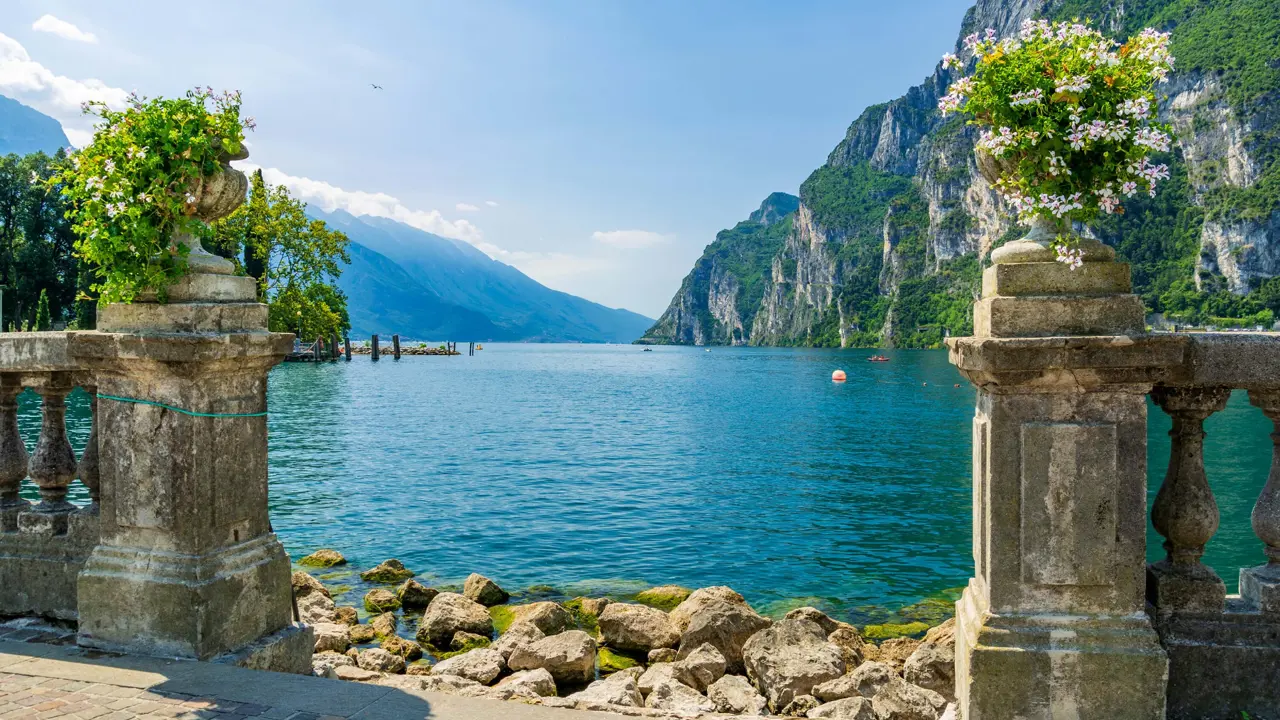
[839, 376]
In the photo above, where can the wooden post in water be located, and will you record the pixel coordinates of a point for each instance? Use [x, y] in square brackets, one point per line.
[346, 339]
[333, 348]
[395, 347]
[315, 349]
[374, 347]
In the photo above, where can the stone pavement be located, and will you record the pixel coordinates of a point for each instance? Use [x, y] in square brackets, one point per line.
[39, 681]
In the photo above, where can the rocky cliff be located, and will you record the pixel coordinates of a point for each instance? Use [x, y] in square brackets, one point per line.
[886, 245]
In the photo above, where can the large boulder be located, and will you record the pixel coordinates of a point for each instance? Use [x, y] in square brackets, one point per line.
[678, 698]
[815, 615]
[531, 682]
[388, 571]
[323, 558]
[853, 708]
[483, 665]
[379, 660]
[900, 700]
[698, 599]
[413, 595]
[549, 617]
[663, 597]
[851, 644]
[895, 651]
[933, 667]
[407, 649]
[865, 681]
[617, 689]
[316, 608]
[380, 601]
[723, 624]
[654, 675]
[384, 625]
[332, 637]
[570, 657]
[303, 585]
[734, 695]
[449, 613]
[481, 589]
[463, 640]
[520, 634]
[700, 668]
[636, 627]
[789, 659]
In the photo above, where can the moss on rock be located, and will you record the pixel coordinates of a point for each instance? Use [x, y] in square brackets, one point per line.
[664, 597]
[389, 571]
[611, 661]
[323, 558]
[502, 616]
[583, 619]
[380, 601]
[888, 631]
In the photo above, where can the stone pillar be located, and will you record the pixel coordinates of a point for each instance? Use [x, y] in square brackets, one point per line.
[1052, 625]
[13, 454]
[53, 464]
[1261, 584]
[187, 565]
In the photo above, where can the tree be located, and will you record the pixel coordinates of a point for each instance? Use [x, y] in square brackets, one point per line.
[36, 240]
[42, 312]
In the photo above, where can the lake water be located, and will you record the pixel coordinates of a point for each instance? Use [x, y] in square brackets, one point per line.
[606, 469]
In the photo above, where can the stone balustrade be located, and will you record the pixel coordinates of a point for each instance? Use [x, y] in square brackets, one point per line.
[43, 544]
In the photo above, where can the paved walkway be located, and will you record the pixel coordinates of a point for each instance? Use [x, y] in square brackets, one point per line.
[39, 681]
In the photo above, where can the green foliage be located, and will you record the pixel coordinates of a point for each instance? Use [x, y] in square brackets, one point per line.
[318, 310]
[930, 308]
[42, 311]
[139, 182]
[35, 241]
[745, 252]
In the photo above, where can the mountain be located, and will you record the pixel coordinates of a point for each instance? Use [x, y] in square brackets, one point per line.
[24, 130]
[888, 240]
[412, 282]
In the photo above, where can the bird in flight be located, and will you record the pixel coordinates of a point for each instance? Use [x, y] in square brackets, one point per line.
[376, 87]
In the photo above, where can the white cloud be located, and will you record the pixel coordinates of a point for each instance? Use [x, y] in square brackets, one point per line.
[629, 239]
[358, 202]
[63, 29]
[490, 203]
[57, 95]
[465, 207]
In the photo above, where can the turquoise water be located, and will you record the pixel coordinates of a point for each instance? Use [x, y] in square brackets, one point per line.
[605, 469]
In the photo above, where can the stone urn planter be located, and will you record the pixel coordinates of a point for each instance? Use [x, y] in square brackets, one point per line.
[217, 196]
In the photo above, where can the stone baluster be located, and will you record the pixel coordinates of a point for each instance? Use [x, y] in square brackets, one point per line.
[53, 465]
[87, 469]
[1261, 584]
[13, 454]
[1185, 512]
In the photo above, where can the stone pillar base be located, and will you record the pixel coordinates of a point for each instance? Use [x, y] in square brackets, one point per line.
[40, 559]
[1222, 664]
[1261, 586]
[1046, 667]
[287, 651]
[1191, 588]
[197, 606]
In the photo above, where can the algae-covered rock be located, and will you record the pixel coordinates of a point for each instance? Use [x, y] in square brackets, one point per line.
[888, 631]
[324, 558]
[346, 615]
[463, 640]
[481, 589]
[664, 597]
[384, 625]
[388, 571]
[407, 649]
[362, 634]
[380, 601]
[610, 661]
[413, 595]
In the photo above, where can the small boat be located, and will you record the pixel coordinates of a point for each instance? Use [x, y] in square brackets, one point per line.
[877, 358]
[648, 349]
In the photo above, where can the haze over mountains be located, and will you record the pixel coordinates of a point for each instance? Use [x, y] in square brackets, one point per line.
[24, 130]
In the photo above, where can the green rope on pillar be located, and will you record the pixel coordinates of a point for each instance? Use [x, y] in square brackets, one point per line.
[192, 413]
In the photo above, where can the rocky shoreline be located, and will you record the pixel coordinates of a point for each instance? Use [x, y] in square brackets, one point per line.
[666, 652]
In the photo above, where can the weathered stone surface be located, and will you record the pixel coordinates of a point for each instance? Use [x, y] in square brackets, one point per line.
[463, 640]
[316, 608]
[819, 618]
[655, 674]
[531, 682]
[662, 655]
[734, 695]
[1020, 317]
[418, 668]
[801, 706]
[727, 625]
[451, 685]
[380, 660]
[380, 601]
[549, 617]
[790, 658]
[483, 665]
[407, 649]
[944, 634]
[413, 595]
[388, 571]
[900, 700]
[346, 615]
[677, 698]
[518, 635]
[384, 625]
[870, 677]
[592, 606]
[324, 663]
[663, 597]
[700, 668]
[932, 667]
[700, 598]
[361, 633]
[481, 589]
[636, 627]
[852, 647]
[357, 674]
[570, 657]
[610, 661]
[1055, 278]
[617, 689]
[852, 708]
[323, 558]
[449, 613]
[332, 637]
[895, 651]
[304, 584]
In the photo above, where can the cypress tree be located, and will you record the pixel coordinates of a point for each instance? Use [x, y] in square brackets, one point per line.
[43, 321]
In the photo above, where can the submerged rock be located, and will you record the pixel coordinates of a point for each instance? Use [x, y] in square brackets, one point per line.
[449, 613]
[481, 589]
[636, 627]
[609, 661]
[570, 657]
[380, 601]
[789, 659]
[388, 571]
[323, 558]
[663, 597]
[734, 695]
[413, 595]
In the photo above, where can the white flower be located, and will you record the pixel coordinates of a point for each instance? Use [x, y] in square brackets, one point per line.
[971, 41]
[1129, 188]
[110, 165]
[950, 60]
[143, 197]
[190, 198]
[34, 178]
[1151, 138]
[1077, 84]
[1138, 108]
[998, 142]
[1030, 97]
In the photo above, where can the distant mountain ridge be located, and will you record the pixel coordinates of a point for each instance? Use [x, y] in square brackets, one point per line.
[421, 285]
[24, 130]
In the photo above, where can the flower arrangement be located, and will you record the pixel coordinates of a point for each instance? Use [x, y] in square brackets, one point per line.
[1069, 118]
[138, 184]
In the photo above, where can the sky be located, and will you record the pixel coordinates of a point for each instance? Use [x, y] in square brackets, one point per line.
[596, 145]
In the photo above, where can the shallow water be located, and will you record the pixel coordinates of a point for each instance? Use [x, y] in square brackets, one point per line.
[604, 469]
